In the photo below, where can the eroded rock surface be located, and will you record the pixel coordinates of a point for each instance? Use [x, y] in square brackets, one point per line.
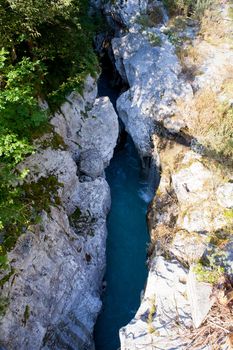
[189, 217]
[58, 264]
[147, 60]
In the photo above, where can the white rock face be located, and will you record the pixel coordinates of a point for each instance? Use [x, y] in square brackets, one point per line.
[192, 199]
[195, 188]
[188, 248]
[192, 183]
[153, 75]
[164, 308]
[225, 195]
[199, 296]
[102, 124]
[54, 290]
[126, 11]
[82, 117]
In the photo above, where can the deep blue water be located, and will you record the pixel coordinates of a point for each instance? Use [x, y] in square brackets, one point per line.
[126, 247]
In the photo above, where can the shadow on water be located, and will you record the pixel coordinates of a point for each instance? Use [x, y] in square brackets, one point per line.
[127, 236]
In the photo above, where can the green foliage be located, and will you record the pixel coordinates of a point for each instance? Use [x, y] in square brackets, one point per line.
[19, 110]
[154, 39]
[228, 213]
[3, 259]
[4, 302]
[26, 314]
[208, 275]
[211, 268]
[150, 318]
[45, 52]
[21, 206]
[56, 37]
[12, 149]
[75, 216]
[7, 277]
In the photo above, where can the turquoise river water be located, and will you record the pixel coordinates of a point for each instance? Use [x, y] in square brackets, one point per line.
[126, 246]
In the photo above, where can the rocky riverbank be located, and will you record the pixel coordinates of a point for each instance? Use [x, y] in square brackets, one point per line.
[170, 110]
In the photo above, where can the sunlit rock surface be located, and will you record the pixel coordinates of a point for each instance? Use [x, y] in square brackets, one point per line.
[194, 200]
[54, 290]
[153, 73]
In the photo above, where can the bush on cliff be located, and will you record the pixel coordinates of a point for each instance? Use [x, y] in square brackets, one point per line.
[45, 52]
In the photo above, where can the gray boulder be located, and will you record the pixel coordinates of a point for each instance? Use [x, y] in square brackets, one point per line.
[91, 163]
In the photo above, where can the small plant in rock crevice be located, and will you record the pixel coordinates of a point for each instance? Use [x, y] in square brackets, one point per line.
[150, 317]
[30, 200]
[212, 267]
[154, 39]
[26, 315]
[4, 302]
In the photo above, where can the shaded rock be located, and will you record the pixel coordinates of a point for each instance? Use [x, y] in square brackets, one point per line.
[54, 162]
[91, 163]
[100, 129]
[93, 197]
[58, 265]
[49, 282]
[125, 12]
[229, 258]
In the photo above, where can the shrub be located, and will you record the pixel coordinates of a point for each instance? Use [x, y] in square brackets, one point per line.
[187, 7]
[45, 52]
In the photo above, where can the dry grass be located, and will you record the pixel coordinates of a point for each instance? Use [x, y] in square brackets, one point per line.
[190, 59]
[217, 330]
[214, 29]
[227, 85]
[211, 122]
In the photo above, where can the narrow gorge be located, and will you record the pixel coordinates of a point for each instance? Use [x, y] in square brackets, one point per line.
[133, 247]
[131, 190]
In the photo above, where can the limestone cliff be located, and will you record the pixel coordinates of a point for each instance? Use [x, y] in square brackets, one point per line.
[53, 290]
[171, 110]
